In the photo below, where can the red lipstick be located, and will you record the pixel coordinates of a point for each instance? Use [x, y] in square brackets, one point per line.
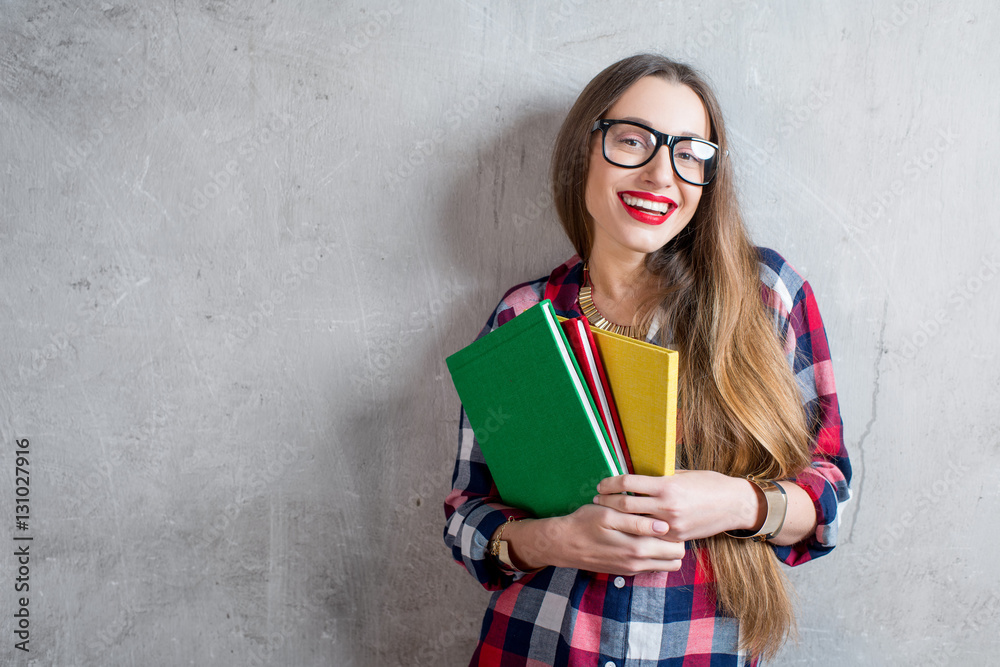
[643, 215]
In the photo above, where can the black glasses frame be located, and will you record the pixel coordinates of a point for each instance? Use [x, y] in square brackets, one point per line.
[662, 139]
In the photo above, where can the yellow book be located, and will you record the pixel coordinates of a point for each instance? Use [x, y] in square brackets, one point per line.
[643, 380]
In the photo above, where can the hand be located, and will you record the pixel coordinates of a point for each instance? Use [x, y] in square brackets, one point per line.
[694, 503]
[598, 539]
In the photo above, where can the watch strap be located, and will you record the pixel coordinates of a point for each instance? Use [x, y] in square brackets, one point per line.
[499, 549]
[777, 509]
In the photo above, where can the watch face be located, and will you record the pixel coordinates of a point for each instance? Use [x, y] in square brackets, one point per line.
[504, 556]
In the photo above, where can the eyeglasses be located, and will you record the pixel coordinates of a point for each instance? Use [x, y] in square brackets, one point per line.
[632, 145]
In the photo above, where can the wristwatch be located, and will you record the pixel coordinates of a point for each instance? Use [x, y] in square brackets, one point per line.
[498, 547]
[777, 507]
[499, 550]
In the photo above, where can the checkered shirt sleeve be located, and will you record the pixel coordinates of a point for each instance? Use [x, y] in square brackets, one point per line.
[792, 304]
[473, 510]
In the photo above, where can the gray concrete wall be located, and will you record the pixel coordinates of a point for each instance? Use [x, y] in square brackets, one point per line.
[238, 240]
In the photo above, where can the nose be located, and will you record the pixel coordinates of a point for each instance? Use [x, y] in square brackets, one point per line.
[659, 171]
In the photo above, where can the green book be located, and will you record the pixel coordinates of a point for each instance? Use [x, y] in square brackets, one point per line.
[532, 414]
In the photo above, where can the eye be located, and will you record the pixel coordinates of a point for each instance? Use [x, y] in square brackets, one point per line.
[628, 139]
[632, 140]
[687, 156]
[693, 152]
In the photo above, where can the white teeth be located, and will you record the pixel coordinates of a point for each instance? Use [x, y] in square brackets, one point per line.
[658, 207]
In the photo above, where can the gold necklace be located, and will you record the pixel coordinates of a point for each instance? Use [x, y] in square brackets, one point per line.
[586, 301]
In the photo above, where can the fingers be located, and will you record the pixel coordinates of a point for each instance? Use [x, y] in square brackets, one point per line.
[651, 554]
[628, 504]
[631, 525]
[642, 484]
[606, 540]
[634, 524]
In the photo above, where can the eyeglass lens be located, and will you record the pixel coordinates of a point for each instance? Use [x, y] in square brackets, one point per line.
[629, 145]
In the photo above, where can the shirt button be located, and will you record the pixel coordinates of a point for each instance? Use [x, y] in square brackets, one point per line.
[619, 582]
[609, 663]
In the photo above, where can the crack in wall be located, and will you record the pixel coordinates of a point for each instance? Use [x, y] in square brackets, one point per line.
[858, 480]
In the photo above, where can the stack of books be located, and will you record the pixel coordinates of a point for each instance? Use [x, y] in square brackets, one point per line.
[557, 406]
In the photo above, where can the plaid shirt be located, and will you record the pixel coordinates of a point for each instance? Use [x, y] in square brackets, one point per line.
[561, 616]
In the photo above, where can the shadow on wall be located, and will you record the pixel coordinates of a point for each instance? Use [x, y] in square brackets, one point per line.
[499, 226]
[500, 222]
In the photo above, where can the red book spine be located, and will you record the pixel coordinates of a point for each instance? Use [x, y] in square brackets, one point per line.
[577, 341]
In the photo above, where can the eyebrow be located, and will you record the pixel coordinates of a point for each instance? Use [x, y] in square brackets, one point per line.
[683, 133]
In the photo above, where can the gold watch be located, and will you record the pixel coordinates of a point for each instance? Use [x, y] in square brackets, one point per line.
[777, 508]
[498, 548]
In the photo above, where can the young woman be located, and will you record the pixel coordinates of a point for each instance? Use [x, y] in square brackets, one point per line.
[684, 569]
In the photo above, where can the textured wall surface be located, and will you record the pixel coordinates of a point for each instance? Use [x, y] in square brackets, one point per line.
[239, 238]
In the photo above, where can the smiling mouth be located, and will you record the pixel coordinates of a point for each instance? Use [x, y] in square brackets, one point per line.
[647, 205]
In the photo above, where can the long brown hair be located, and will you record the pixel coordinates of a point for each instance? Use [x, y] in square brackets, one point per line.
[740, 402]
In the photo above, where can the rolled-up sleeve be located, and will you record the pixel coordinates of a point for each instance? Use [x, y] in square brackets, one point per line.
[473, 509]
[827, 479]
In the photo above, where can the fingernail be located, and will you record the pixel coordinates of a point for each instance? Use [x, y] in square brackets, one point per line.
[596, 500]
[660, 526]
